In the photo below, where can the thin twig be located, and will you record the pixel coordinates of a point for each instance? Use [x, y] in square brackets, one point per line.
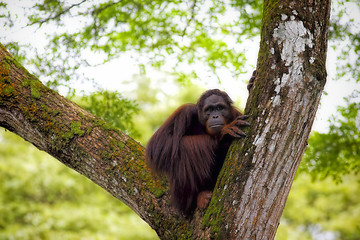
[191, 18]
[59, 14]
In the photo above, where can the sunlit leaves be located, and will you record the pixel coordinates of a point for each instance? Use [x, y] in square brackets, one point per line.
[165, 33]
[321, 210]
[336, 153]
[112, 108]
[43, 199]
[344, 36]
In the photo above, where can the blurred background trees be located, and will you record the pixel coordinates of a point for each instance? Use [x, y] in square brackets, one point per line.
[132, 63]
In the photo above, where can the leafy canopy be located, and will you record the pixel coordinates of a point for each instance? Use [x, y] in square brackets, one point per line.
[336, 153]
[170, 35]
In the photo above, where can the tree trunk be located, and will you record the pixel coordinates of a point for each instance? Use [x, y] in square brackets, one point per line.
[257, 175]
[282, 104]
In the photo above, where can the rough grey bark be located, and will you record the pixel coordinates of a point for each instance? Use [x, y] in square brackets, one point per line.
[257, 175]
[282, 105]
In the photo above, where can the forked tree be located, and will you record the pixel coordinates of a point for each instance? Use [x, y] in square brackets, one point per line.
[257, 175]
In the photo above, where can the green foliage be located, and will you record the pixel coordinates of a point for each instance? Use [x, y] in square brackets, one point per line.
[170, 35]
[42, 199]
[322, 208]
[336, 153]
[113, 108]
[16, 51]
[344, 28]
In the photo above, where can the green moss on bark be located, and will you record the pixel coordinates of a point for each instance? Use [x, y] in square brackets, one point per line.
[7, 88]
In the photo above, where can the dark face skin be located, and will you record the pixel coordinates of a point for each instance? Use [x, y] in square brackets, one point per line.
[217, 114]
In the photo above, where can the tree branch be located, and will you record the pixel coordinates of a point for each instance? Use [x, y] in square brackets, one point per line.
[42, 21]
[82, 142]
[192, 17]
[255, 180]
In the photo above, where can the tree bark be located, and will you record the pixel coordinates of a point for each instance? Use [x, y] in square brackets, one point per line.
[256, 179]
[257, 175]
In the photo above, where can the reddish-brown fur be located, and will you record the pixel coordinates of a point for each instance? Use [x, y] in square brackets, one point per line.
[191, 158]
